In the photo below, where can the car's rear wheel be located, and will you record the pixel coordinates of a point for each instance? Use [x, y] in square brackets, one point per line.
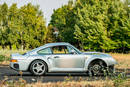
[38, 67]
[97, 68]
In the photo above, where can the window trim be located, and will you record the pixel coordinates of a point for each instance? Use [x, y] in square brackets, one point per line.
[77, 50]
[74, 50]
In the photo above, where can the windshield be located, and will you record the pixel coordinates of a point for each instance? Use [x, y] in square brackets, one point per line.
[78, 51]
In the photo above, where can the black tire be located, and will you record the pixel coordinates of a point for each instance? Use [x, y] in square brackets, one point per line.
[38, 67]
[97, 68]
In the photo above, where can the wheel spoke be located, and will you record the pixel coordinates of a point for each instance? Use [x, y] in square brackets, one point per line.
[38, 64]
[41, 66]
[96, 69]
[34, 67]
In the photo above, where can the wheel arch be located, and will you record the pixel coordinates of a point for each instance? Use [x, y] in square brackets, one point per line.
[96, 59]
[36, 60]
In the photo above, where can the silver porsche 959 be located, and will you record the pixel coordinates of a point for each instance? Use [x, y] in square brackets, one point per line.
[62, 57]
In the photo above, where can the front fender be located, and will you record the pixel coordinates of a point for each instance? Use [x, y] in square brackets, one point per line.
[89, 60]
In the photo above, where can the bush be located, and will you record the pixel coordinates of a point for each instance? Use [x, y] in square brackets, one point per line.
[3, 58]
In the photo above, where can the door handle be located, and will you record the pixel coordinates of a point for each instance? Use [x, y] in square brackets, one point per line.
[56, 57]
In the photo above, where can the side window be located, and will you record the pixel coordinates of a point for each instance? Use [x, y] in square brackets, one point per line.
[45, 51]
[60, 50]
[71, 50]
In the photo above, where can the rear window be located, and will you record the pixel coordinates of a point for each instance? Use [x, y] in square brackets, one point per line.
[45, 51]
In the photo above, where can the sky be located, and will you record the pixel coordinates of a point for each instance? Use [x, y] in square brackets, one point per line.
[47, 6]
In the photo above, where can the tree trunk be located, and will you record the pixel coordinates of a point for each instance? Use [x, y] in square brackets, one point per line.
[103, 50]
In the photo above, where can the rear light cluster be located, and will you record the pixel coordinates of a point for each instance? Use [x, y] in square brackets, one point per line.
[13, 60]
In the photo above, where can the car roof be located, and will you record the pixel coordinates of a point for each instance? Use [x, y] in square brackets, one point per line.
[55, 44]
[49, 45]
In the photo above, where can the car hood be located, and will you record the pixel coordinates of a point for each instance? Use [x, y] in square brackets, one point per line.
[96, 53]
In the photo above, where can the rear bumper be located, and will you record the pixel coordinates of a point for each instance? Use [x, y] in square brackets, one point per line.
[19, 66]
[14, 66]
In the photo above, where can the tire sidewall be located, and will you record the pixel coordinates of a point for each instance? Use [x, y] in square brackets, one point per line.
[91, 73]
[31, 67]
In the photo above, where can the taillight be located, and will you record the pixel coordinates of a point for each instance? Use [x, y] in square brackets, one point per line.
[13, 60]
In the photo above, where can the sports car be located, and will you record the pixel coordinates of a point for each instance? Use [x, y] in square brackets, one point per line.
[62, 57]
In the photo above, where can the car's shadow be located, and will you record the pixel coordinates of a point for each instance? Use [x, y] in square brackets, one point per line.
[64, 74]
[51, 74]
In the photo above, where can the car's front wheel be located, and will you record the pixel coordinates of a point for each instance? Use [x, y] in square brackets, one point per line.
[38, 67]
[97, 68]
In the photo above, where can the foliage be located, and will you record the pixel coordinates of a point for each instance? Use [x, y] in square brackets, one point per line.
[49, 35]
[21, 27]
[63, 20]
[88, 24]
[94, 25]
[3, 58]
[119, 79]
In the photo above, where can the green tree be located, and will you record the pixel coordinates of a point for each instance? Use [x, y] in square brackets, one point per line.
[50, 37]
[13, 26]
[63, 20]
[96, 24]
[22, 27]
[91, 21]
[3, 24]
[33, 32]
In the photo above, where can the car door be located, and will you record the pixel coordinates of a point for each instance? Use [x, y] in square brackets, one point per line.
[63, 58]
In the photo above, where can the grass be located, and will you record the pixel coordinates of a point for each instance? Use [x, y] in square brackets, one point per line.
[100, 83]
[81, 83]
[122, 59]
